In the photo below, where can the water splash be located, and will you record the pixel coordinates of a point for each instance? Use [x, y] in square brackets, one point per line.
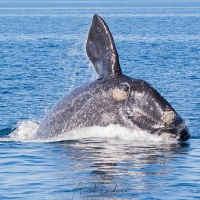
[26, 130]
[76, 60]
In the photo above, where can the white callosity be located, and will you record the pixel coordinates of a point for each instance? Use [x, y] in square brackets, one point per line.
[119, 94]
[168, 117]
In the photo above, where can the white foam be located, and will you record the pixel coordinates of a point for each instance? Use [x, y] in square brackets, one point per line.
[110, 132]
[26, 130]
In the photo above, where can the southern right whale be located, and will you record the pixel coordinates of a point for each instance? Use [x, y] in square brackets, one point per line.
[113, 98]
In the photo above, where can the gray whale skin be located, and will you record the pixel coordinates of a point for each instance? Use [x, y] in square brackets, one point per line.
[113, 98]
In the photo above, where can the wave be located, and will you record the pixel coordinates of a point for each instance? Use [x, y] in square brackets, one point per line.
[25, 132]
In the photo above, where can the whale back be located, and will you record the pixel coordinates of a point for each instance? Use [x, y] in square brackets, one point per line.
[101, 49]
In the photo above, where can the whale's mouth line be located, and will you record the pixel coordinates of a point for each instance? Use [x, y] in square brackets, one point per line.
[169, 136]
[168, 133]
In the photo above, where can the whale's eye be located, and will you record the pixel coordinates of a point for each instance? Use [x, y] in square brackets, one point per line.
[124, 86]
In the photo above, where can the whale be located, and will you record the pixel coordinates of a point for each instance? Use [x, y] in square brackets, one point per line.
[113, 98]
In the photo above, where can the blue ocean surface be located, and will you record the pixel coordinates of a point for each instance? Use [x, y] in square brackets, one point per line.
[42, 57]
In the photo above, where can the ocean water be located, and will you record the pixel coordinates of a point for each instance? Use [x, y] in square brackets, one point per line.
[42, 57]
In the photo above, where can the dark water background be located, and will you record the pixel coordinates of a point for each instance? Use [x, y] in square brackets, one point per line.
[42, 57]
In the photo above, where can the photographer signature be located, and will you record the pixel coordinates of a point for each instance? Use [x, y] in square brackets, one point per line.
[100, 189]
